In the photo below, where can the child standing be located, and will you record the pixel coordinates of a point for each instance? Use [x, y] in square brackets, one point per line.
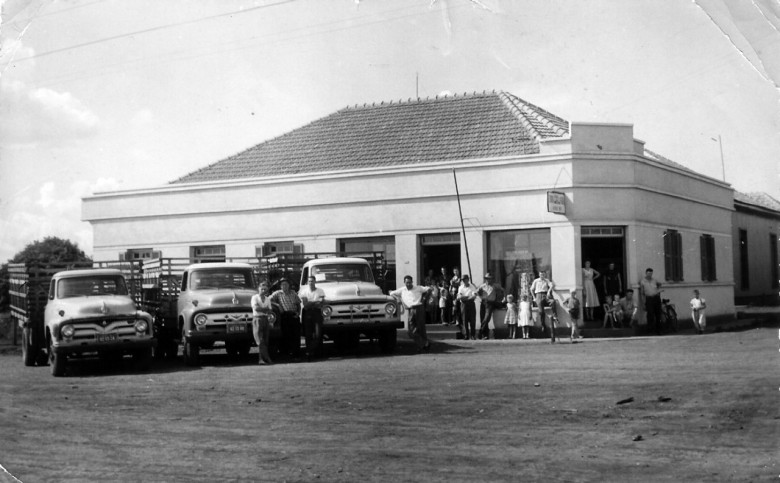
[510, 319]
[525, 316]
[573, 304]
[617, 311]
[444, 295]
[698, 304]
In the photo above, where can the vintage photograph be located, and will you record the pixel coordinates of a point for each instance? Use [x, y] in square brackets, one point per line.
[408, 240]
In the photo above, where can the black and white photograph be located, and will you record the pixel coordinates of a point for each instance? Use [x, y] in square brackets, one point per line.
[380, 241]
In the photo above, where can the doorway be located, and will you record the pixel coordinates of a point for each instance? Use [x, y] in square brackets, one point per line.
[436, 251]
[603, 245]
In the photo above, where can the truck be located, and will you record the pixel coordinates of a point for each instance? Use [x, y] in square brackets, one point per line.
[355, 305]
[214, 305]
[70, 310]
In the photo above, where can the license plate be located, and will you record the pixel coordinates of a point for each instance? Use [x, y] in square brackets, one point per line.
[106, 337]
[234, 328]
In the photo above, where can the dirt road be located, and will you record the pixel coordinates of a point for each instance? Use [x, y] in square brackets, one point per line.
[704, 408]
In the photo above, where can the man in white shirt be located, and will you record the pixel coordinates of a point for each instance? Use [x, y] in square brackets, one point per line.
[491, 295]
[542, 289]
[467, 293]
[411, 296]
[312, 298]
[650, 292]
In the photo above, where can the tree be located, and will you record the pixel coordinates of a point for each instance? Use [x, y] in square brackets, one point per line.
[51, 250]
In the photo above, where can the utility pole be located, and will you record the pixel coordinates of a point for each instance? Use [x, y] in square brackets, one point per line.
[417, 85]
[462, 226]
[722, 162]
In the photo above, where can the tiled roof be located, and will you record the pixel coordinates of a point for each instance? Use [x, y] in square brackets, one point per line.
[759, 199]
[667, 161]
[418, 131]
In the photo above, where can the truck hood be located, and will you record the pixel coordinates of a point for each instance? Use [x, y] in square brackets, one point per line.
[335, 291]
[96, 306]
[221, 298]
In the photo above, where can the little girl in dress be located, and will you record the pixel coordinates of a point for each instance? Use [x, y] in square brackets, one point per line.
[525, 316]
[510, 319]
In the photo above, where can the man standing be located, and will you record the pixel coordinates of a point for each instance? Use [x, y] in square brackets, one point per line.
[454, 286]
[490, 295]
[467, 293]
[312, 298]
[542, 289]
[650, 292]
[290, 307]
[411, 296]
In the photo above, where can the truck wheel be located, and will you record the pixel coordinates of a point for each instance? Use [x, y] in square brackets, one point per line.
[143, 359]
[388, 340]
[29, 352]
[57, 361]
[191, 353]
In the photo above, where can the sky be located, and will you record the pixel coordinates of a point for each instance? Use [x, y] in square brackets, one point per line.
[105, 95]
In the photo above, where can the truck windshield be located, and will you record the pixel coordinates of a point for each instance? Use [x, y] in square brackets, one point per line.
[342, 272]
[225, 278]
[93, 285]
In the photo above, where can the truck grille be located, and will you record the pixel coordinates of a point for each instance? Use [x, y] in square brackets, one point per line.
[90, 330]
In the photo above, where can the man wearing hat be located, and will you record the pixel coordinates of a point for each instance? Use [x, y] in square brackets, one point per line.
[490, 295]
[290, 306]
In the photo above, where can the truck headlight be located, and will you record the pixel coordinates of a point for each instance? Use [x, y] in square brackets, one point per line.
[326, 311]
[67, 331]
[201, 319]
[390, 309]
[141, 326]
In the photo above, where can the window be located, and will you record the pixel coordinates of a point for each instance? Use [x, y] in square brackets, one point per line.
[274, 248]
[707, 243]
[516, 257]
[673, 256]
[744, 272]
[207, 253]
[773, 261]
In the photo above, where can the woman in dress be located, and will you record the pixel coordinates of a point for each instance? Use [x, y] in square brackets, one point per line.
[589, 289]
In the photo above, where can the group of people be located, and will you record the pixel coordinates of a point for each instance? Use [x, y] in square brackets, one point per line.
[453, 301]
[298, 310]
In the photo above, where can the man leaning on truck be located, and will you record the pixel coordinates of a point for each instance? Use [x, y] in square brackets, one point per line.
[290, 305]
[411, 296]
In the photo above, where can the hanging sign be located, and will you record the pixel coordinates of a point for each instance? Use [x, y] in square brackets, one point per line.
[556, 202]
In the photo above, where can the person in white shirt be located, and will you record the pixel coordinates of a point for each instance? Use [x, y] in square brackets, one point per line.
[698, 304]
[411, 296]
[542, 289]
[312, 298]
[650, 294]
[261, 328]
[467, 293]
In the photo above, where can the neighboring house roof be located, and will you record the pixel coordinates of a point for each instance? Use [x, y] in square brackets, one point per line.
[449, 128]
[664, 160]
[757, 200]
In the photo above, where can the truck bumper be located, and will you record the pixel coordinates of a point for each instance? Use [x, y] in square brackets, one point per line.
[335, 327]
[126, 345]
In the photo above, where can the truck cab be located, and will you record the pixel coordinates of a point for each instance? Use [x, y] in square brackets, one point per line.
[354, 305]
[92, 311]
[215, 305]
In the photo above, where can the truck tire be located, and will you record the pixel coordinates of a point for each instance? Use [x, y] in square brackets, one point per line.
[388, 339]
[191, 353]
[143, 359]
[58, 362]
[30, 352]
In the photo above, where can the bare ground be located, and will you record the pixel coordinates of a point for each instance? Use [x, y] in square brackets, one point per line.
[467, 411]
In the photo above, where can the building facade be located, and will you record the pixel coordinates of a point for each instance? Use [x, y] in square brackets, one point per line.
[484, 182]
[756, 225]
